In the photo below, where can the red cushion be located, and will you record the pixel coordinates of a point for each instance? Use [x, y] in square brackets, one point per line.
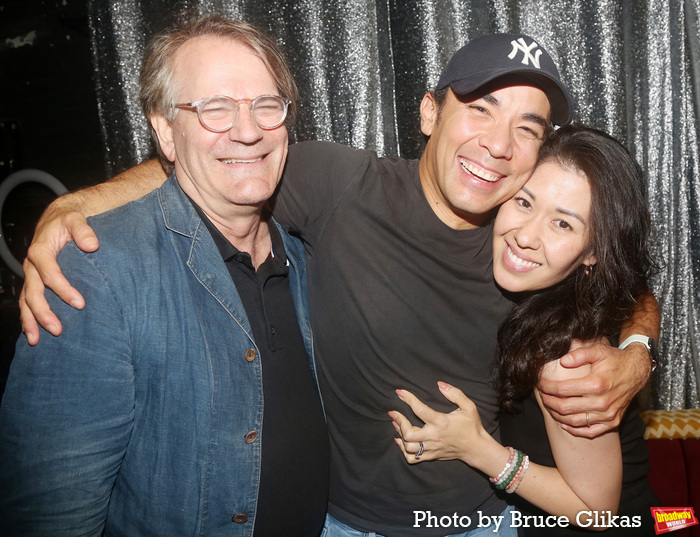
[667, 475]
[691, 455]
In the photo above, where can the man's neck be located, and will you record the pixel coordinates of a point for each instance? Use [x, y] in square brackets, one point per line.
[246, 227]
[251, 234]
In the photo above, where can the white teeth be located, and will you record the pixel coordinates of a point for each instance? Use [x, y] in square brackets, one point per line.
[240, 160]
[478, 172]
[518, 261]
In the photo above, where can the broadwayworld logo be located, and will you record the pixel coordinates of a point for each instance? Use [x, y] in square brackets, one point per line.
[672, 518]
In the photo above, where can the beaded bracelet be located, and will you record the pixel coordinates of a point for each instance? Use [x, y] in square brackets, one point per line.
[515, 476]
[507, 480]
[499, 477]
[519, 478]
[511, 488]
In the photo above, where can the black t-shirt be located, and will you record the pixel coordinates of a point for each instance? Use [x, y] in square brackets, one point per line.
[526, 431]
[293, 491]
[398, 300]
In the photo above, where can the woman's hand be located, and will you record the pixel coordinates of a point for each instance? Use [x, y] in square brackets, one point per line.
[457, 435]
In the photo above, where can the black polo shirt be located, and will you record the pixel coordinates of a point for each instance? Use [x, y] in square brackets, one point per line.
[293, 492]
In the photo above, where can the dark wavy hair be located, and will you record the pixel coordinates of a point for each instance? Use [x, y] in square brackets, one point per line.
[543, 323]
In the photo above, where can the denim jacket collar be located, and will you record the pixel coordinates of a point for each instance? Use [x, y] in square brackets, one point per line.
[204, 260]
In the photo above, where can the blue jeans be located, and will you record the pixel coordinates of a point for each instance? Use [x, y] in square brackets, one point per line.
[333, 528]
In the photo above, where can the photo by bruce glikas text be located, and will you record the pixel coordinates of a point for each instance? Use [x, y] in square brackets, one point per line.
[515, 519]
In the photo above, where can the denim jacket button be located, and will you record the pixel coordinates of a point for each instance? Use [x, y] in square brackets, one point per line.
[240, 518]
[251, 437]
[250, 355]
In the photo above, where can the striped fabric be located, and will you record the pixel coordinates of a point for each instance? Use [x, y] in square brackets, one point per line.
[672, 423]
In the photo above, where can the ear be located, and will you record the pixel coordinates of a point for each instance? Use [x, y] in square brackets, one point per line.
[164, 131]
[590, 260]
[428, 114]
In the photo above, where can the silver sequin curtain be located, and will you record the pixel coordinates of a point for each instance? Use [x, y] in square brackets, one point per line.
[363, 65]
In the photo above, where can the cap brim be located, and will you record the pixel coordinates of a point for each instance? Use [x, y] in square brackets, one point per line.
[560, 99]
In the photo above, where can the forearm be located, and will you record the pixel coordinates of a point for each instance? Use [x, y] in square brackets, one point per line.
[547, 488]
[127, 186]
[588, 473]
[595, 404]
[645, 320]
[590, 480]
[592, 467]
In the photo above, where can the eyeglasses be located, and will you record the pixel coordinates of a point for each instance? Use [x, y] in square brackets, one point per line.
[219, 113]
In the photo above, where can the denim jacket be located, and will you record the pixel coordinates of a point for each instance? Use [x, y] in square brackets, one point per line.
[144, 417]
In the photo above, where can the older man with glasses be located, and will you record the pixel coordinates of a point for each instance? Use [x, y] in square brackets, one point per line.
[146, 416]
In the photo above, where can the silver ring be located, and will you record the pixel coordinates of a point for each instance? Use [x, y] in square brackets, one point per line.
[420, 451]
[588, 420]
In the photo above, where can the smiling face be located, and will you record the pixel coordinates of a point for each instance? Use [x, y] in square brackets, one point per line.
[480, 151]
[542, 234]
[237, 170]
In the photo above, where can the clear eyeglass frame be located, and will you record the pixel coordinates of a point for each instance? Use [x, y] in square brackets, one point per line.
[219, 113]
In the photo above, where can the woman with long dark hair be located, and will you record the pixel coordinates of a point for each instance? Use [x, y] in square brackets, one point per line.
[572, 249]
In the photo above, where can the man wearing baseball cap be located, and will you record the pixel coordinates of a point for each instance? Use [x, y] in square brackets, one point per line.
[490, 57]
[400, 286]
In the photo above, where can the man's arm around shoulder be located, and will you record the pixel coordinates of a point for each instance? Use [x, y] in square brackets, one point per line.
[63, 221]
[596, 403]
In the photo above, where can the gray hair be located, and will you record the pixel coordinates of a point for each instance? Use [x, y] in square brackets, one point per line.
[159, 89]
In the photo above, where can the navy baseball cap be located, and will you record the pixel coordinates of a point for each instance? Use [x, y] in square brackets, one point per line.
[486, 58]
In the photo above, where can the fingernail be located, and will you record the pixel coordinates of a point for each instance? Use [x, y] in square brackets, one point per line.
[52, 328]
[76, 304]
[392, 414]
[400, 393]
[443, 386]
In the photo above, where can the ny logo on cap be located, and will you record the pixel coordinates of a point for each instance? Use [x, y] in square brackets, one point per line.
[520, 45]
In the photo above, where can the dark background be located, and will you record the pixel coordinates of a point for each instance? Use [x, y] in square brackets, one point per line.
[48, 121]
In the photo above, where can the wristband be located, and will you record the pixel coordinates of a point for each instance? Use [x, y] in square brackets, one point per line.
[519, 477]
[649, 343]
[507, 480]
[500, 476]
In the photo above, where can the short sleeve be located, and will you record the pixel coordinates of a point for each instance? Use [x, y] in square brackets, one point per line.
[316, 176]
